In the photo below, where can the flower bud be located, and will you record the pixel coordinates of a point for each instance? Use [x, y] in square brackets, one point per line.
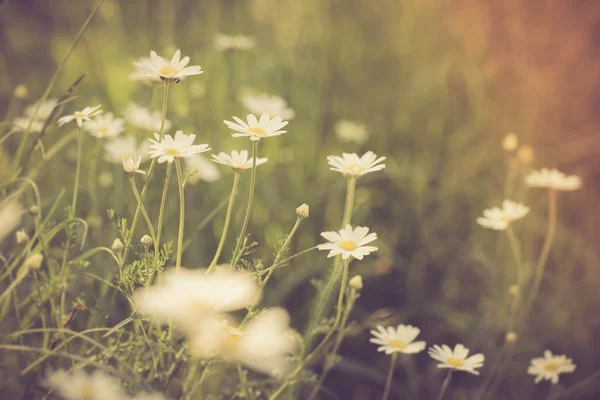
[34, 262]
[302, 211]
[22, 236]
[356, 283]
[513, 290]
[525, 154]
[146, 241]
[34, 210]
[20, 91]
[117, 246]
[511, 337]
[510, 142]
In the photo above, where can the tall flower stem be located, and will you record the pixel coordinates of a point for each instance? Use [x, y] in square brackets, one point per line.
[162, 209]
[136, 193]
[390, 377]
[181, 215]
[77, 170]
[148, 175]
[234, 188]
[92, 176]
[445, 385]
[240, 240]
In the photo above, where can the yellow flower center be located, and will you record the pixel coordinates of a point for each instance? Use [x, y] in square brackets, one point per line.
[551, 367]
[348, 245]
[79, 115]
[172, 152]
[167, 70]
[103, 130]
[397, 344]
[354, 168]
[455, 362]
[257, 131]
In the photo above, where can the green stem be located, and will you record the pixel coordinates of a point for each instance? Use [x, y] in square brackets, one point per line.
[349, 205]
[242, 236]
[390, 376]
[92, 176]
[236, 181]
[77, 170]
[162, 209]
[181, 215]
[136, 193]
[445, 385]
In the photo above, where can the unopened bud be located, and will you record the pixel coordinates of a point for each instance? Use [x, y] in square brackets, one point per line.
[20, 91]
[22, 236]
[525, 154]
[34, 210]
[511, 337]
[302, 211]
[513, 290]
[146, 241]
[117, 246]
[356, 283]
[34, 262]
[510, 142]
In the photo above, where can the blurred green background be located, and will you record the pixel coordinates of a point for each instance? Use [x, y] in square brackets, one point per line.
[437, 84]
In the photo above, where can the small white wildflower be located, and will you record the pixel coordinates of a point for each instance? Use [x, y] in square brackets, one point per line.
[353, 165]
[456, 359]
[105, 125]
[44, 111]
[500, 218]
[22, 236]
[274, 106]
[550, 367]
[205, 169]
[181, 146]
[552, 179]
[116, 149]
[34, 262]
[238, 161]
[235, 42]
[80, 116]
[78, 385]
[257, 129]
[172, 71]
[131, 166]
[349, 242]
[349, 131]
[144, 119]
[303, 211]
[399, 340]
[22, 123]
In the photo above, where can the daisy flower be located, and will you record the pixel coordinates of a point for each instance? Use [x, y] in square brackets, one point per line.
[22, 123]
[205, 170]
[79, 385]
[144, 119]
[349, 242]
[105, 125]
[116, 149]
[552, 179]
[187, 297]
[399, 340]
[456, 359]
[235, 42]
[262, 103]
[264, 344]
[80, 116]
[353, 165]
[500, 218]
[181, 146]
[257, 129]
[550, 366]
[349, 131]
[172, 71]
[131, 166]
[238, 161]
[45, 110]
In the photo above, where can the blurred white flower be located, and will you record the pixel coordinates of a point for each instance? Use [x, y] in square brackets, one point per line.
[456, 359]
[500, 218]
[78, 385]
[349, 242]
[144, 119]
[238, 161]
[170, 148]
[33, 262]
[189, 296]
[353, 165]
[552, 179]
[80, 116]
[510, 142]
[116, 149]
[399, 340]
[11, 213]
[262, 103]
[349, 131]
[257, 129]
[205, 170]
[22, 123]
[105, 125]
[45, 109]
[173, 70]
[131, 166]
[263, 344]
[20, 91]
[235, 42]
[550, 366]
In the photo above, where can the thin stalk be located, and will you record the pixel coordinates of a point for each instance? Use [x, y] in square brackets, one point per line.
[236, 181]
[349, 204]
[181, 215]
[445, 385]
[13, 285]
[162, 209]
[136, 193]
[92, 176]
[49, 88]
[249, 207]
[77, 170]
[390, 377]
